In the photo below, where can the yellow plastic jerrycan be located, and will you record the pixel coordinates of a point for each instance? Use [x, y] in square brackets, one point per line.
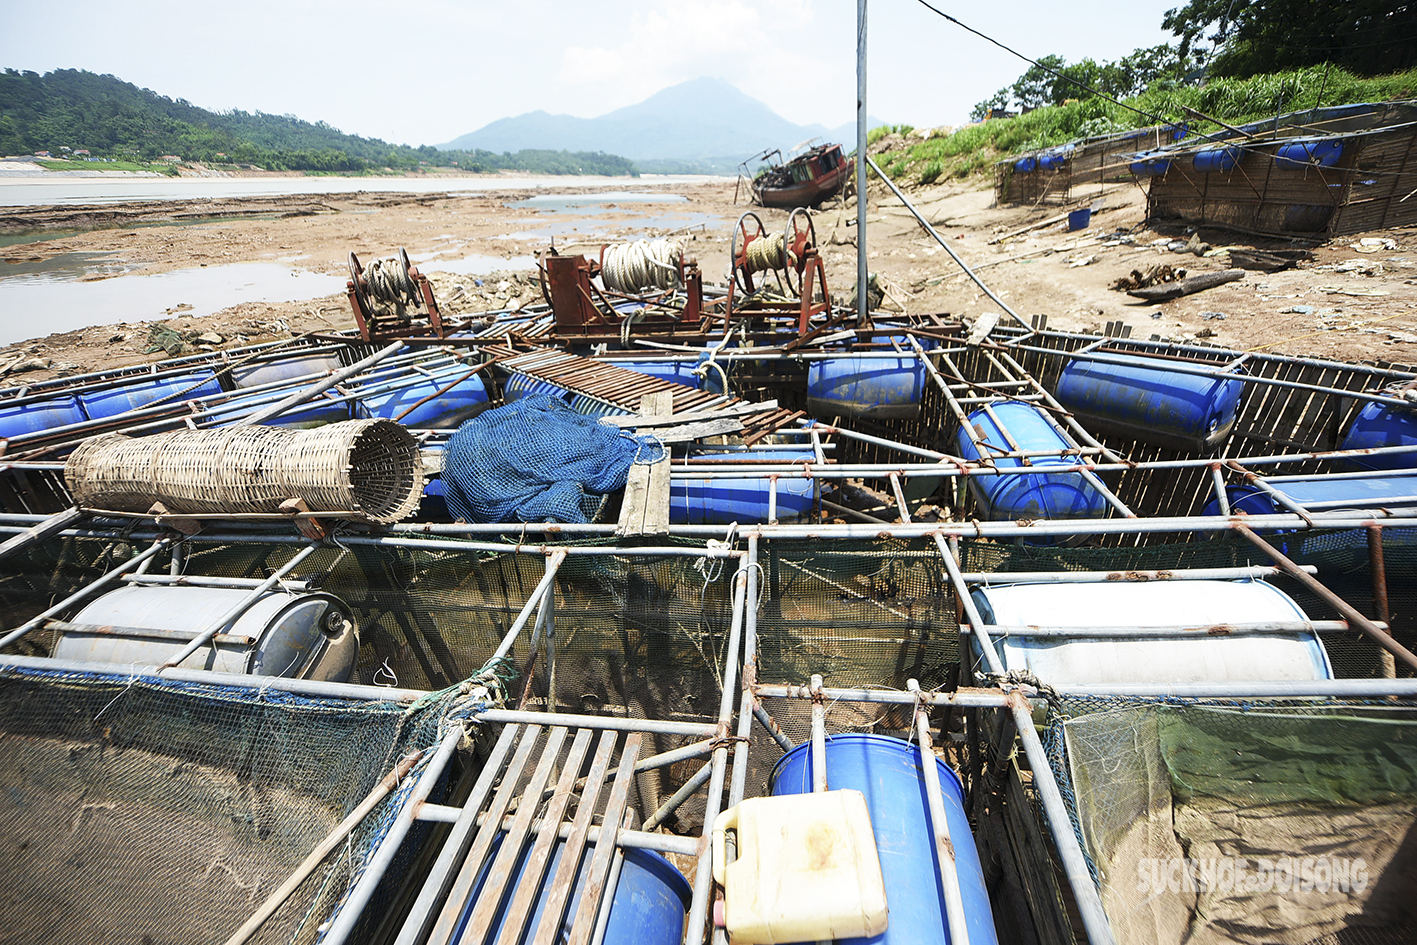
[806, 871]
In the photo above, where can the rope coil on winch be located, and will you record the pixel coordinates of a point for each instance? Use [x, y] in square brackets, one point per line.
[643, 264]
[765, 253]
[388, 283]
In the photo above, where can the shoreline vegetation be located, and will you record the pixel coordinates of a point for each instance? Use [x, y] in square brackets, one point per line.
[924, 156]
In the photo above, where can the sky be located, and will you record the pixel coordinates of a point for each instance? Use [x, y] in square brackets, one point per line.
[426, 71]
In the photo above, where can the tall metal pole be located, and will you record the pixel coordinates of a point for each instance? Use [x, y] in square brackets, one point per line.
[861, 274]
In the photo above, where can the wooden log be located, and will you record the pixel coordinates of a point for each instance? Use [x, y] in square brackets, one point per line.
[1187, 286]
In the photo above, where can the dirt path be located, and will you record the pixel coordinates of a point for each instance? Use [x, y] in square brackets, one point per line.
[1354, 301]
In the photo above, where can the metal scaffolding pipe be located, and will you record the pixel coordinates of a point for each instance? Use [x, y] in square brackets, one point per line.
[703, 877]
[770, 725]
[241, 606]
[748, 702]
[84, 591]
[1060, 825]
[1405, 688]
[968, 698]
[1176, 630]
[311, 688]
[1351, 613]
[319, 387]
[819, 736]
[986, 645]
[598, 722]
[955, 919]
[533, 602]
[1127, 577]
[378, 863]
[686, 791]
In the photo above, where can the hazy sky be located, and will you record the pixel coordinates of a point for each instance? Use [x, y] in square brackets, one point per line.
[425, 71]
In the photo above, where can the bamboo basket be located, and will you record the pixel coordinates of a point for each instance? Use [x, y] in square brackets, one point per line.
[369, 468]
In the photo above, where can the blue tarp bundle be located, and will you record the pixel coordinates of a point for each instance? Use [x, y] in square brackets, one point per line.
[537, 460]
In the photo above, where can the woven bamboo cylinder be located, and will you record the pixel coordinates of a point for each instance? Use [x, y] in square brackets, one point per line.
[367, 467]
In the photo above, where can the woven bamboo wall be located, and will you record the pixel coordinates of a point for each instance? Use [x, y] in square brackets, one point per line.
[1363, 191]
[1103, 159]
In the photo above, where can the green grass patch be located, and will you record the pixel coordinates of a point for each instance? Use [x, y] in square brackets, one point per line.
[59, 165]
[974, 149]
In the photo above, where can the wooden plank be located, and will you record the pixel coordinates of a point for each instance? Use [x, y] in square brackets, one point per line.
[605, 847]
[549, 931]
[499, 874]
[519, 911]
[462, 888]
[53, 525]
[645, 507]
[697, 431]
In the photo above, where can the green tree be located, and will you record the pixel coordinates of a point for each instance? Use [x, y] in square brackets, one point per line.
[1036, 86]
[1246, 37]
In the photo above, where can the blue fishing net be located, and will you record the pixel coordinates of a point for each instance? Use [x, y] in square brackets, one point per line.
[537, 460]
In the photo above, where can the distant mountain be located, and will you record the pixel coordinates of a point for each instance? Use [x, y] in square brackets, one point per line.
[69, 109]
[699, 122]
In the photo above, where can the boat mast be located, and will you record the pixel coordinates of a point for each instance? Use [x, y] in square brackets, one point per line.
[861, 275]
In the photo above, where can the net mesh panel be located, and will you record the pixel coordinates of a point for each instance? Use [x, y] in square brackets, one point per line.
[1273, 803]
[537, 460]
[162, 812]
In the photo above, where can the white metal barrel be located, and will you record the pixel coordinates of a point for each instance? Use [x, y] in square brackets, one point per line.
[1205, 652]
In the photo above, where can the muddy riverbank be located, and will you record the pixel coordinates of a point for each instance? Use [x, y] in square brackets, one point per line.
[1356, 299]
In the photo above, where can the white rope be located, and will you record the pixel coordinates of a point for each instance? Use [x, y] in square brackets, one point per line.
[643, 264]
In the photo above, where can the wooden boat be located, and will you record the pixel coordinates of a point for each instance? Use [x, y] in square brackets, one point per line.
[804, 181]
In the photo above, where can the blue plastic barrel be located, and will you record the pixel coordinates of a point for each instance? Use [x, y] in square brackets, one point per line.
[285, 368]
[39, 415]
[1324, 493]
[315, 413]
[462, 401]
[889, 772]
[113, 401]
[1213, 160]
[1025, 165]
[1151, 164]
[878, 388]
[521, 385]
[1143, 399]
[1054, 159]
[720, 501]
[1079, 219]
[651, 899]
[1034, 496]
[1323, 152]
[1379, 425]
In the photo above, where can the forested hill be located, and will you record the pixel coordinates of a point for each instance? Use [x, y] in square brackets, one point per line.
[71, 108]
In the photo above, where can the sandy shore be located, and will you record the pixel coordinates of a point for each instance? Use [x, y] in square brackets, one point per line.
[1355, 301]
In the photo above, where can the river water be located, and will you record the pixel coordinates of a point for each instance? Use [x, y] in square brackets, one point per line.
[74, 291]
[68, 191]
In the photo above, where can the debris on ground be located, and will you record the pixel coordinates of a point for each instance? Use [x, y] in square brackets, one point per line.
[1187, 286]
[1153, 275]
[162, 338]
[1213, 316]
[1268, 260]
[1363, 267]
